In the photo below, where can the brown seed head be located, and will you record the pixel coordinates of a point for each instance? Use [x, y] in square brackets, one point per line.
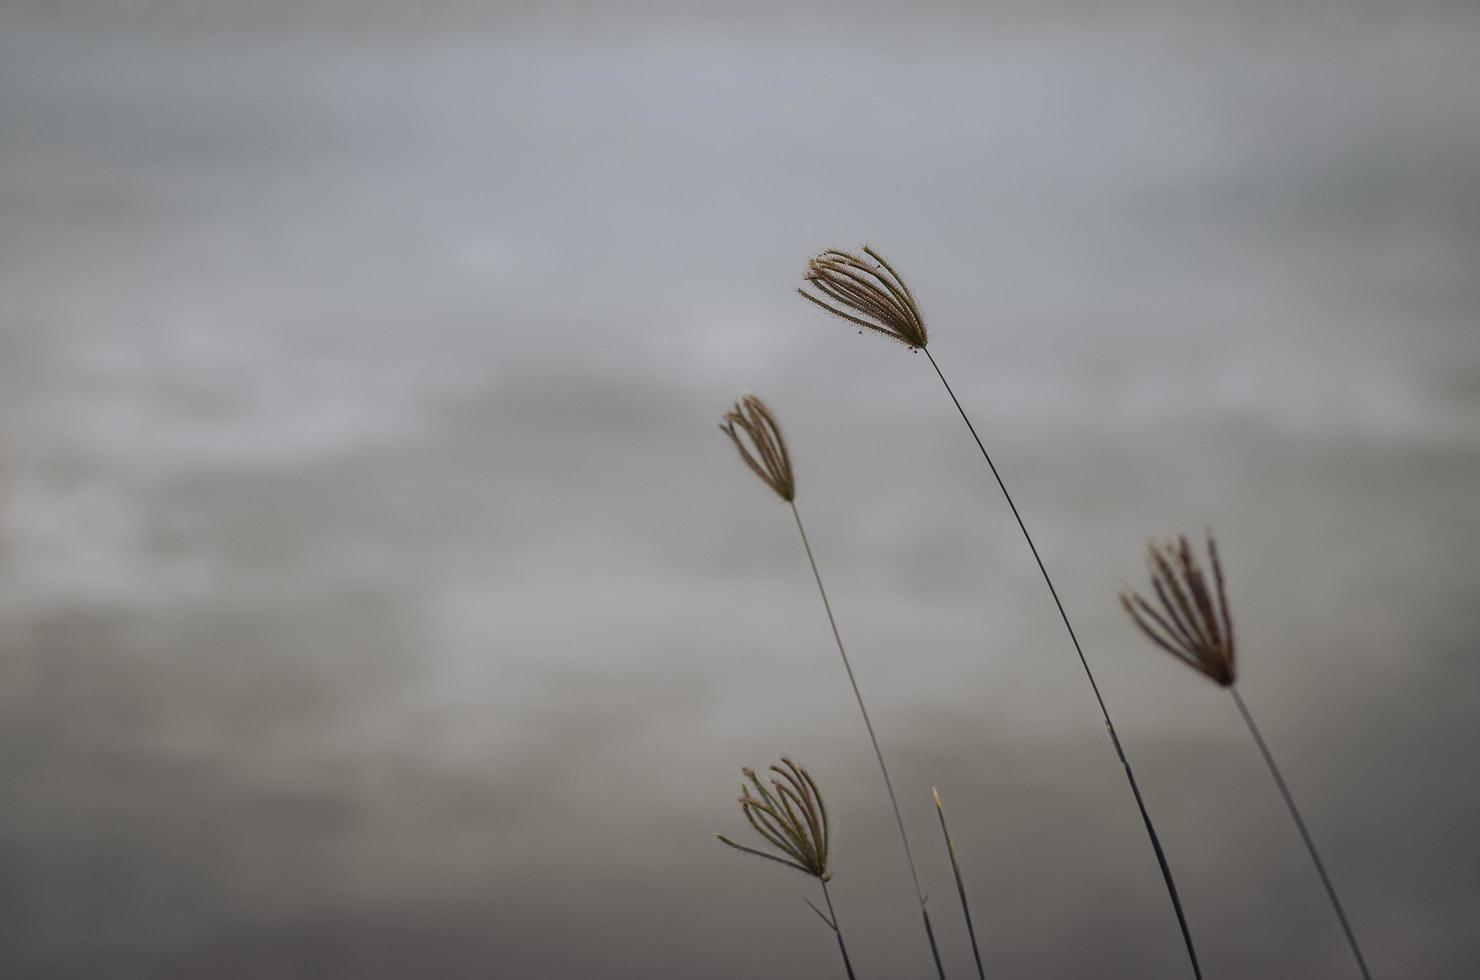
[790, 816]
[763, 448]
[1190, 626]
[870, 294]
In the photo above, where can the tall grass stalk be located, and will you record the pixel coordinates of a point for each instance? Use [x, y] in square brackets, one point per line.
[1130, 775]
[1310, 845]
[976, 952]
[872, 295]
[874, 739]
[757, 436]
[1195, 630]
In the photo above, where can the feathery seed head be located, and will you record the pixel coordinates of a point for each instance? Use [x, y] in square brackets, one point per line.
[763, 449]
[869, 294]
[790, 816]
[1190, 626]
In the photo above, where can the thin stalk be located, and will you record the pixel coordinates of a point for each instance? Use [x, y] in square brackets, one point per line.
[940, 811]
[1310, 846]
[1161, 858]
[847, 964]
[874, 739]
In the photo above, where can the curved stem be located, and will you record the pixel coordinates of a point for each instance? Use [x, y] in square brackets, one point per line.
[1310, 846]
[847, 964]
[874, 739]
[1161, 858]
[976, 952]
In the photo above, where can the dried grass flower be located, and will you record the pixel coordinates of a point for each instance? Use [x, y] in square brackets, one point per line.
[869, 294]
[790, 815]
[1190, 626]
[763, 448]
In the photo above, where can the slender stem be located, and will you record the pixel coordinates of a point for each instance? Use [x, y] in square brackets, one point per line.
[940, 811]
[1161, 858]
[1310, 846]
[847, 964]
[930, 934]
[878, 753]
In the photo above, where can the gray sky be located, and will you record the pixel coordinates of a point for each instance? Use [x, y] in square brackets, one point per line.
[377, 598]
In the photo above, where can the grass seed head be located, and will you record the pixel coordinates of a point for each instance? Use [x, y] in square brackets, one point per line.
[1193, 624]
[756, 434]
[867, 293]
[789, 815]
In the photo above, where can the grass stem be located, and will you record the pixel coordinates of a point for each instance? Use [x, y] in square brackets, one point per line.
[837, 930]
[874, 739]
[1161, 858]
[1310, 846]
[940, 811]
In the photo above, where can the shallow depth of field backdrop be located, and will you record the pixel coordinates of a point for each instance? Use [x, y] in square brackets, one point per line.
[377, 598]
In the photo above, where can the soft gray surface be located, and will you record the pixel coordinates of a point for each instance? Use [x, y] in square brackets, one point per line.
[378, 600]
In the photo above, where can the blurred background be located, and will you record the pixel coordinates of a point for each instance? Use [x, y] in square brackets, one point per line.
[377, 598]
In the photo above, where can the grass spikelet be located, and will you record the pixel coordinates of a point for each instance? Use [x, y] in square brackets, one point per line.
[756, 434]
[1189, 626]
[869, 294]
[790, 816]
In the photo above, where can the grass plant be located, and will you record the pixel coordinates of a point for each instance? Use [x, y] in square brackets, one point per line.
[1198, 631]
[790, 816]
[867, 292]
[757, 436]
